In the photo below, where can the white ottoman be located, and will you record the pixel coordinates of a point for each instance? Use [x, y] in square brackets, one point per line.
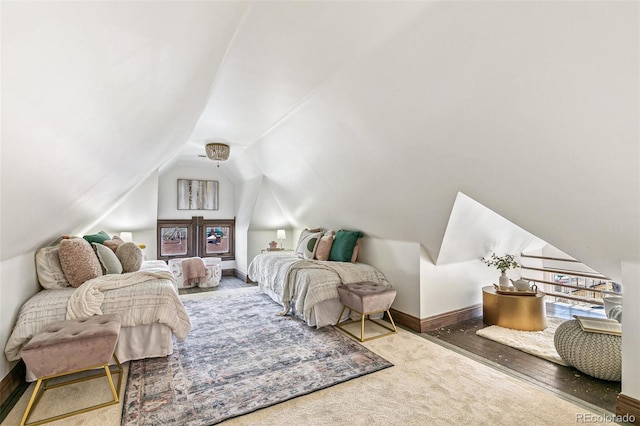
[213, 266]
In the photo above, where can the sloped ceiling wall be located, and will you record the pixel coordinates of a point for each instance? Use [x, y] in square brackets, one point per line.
[531, 109]
[97, 95]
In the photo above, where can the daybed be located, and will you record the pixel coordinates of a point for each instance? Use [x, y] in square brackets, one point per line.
[305, 282]
[146, 299]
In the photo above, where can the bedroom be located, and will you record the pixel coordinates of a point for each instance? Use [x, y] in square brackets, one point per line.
[371, 116]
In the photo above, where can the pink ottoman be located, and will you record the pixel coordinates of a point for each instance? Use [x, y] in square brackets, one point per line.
[366, 298]
[67, 347]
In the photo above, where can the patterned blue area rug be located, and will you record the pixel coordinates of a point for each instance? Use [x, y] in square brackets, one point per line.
[238, 358]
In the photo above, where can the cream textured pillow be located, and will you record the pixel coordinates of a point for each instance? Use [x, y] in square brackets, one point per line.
[108, 259]
[130, 256]
[50, 274]
[79, 262]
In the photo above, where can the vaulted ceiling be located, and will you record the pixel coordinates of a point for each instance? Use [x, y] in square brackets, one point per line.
[369, 115]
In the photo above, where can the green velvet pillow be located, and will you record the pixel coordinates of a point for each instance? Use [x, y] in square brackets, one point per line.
[99, 238]
[343, 245]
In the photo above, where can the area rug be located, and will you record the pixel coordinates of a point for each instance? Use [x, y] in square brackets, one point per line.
[240, 357]
[538, 343]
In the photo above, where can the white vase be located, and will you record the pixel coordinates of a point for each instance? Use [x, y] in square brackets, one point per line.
[503, 281]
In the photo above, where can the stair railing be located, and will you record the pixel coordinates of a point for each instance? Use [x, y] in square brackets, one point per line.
[569, 285]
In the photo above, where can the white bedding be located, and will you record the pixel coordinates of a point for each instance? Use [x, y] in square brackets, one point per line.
[148, 302]
[306, 286]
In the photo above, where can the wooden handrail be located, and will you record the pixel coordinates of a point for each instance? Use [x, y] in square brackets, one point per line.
[530, 256]
[570, 273]
[581, 299]
[569, 286]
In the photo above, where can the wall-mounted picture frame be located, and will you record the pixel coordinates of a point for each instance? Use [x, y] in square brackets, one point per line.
[194, 194]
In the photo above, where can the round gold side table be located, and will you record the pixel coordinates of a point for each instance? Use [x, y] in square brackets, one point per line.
[526, 313]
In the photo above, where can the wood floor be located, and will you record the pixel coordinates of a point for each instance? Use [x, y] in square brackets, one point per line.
[226, 283]
[567, 380]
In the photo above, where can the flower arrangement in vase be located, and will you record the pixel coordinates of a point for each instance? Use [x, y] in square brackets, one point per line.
[502, 263]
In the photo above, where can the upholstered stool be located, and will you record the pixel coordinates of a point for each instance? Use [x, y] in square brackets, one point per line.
[596, 354]
[366, 298]
[213, 267]
[67, 347]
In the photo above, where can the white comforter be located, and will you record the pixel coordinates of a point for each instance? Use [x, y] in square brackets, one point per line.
[149, 297]
[302, 284]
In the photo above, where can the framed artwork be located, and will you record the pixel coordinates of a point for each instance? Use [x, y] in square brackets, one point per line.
[196, 194]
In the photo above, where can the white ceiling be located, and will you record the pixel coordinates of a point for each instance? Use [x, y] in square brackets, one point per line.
[280, 55]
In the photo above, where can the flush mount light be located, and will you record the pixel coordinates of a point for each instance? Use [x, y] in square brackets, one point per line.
[217, 151]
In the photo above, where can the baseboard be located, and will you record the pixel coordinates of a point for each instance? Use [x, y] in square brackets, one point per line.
[422, 325]
[628, 407]
[409, 321]
[449, 318]
[241, 275]
[229, 272]
[11, 388]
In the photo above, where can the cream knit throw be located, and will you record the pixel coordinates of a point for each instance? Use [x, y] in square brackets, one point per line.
[87, 299]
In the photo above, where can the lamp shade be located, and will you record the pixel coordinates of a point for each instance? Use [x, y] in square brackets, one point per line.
[127, 237]
[281, 235]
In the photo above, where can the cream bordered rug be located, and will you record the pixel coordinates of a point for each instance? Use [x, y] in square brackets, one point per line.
[538, 343]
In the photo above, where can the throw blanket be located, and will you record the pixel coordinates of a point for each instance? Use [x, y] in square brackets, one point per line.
[152, 301]
[87, 299]
[193, 271]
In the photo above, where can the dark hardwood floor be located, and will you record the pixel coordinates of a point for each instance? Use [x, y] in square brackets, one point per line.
[226, 283]
[567, 380]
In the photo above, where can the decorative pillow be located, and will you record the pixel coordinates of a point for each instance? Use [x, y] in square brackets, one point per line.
[78, 260]
[308, 243]
[356, 248]
[50, 273]
[99, 238]
[303, 235]
[108, 259]
[324, 247]
[343, 245]
[130, 256]
[113, 243]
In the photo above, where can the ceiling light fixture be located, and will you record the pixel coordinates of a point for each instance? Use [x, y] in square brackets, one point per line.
[217, 151]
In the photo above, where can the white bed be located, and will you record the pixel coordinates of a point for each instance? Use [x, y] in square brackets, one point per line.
[151, 313]
[308, 288]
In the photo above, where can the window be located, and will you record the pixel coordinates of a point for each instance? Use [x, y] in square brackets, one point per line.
[196, 237]
[218, 239]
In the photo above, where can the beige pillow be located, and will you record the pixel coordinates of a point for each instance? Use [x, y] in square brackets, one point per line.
[130, 256]
[324, 247]
[78, 260]
[50, 273]
[108, 259]
[114, 243]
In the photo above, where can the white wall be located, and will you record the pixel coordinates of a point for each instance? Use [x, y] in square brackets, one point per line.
[18, 282]
[135, 212]
[168, 196]
[446, 288]
[399, 262]
[631, 329]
